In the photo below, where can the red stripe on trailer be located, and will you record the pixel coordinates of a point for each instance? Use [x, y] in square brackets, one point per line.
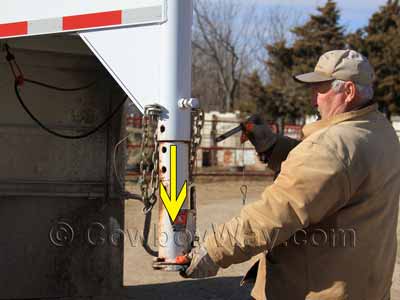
[92, 20]
[12, 29]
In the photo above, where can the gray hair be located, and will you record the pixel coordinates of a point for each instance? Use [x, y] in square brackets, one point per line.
[366, 91]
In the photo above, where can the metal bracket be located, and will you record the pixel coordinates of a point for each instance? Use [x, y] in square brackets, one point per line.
[192, 103]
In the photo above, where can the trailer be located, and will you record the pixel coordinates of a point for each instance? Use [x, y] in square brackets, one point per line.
[68, 71]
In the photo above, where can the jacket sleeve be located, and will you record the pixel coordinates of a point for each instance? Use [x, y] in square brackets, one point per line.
[280, 152]
[313, 184]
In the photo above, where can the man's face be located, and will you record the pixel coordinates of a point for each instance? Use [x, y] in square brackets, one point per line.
[326, 100]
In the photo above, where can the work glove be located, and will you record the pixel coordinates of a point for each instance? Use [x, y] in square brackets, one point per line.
[259, 134]
[201, 264]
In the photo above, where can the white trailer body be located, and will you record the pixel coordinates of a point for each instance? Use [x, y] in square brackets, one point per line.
[116, 31]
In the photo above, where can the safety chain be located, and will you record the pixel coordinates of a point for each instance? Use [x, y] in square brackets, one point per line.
[197, 126]
[149, 179]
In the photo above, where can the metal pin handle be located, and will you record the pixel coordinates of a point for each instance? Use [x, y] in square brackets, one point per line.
[243, 190]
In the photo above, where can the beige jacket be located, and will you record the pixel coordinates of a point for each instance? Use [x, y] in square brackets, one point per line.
[329, 220]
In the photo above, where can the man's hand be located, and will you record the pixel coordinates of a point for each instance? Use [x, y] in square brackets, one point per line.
[201, 264]
[259, 134]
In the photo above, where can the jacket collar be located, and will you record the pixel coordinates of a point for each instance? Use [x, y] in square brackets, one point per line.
[313, 127]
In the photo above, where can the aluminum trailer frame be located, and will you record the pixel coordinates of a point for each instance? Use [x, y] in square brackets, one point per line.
[146, 47]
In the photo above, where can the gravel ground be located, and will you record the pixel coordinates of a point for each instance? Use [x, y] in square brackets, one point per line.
[217, 202]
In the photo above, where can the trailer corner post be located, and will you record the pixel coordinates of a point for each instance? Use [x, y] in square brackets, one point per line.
[175, 237]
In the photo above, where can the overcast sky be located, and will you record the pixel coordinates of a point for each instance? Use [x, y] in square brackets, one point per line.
[354, 13]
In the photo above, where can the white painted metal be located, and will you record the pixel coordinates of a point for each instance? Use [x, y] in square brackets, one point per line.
[26, 10]
[132, 56]
[175, 124]
[173, 243]
[176, 69]
[192, 103]
[152, 64]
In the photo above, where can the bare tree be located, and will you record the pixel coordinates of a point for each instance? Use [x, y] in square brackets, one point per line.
[228, 43]
[223, 35]
[279, 20]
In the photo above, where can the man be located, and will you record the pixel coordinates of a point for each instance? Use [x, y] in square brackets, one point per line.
[328, 222]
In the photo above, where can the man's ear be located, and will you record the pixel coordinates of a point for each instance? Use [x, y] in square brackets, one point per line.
[350, 91]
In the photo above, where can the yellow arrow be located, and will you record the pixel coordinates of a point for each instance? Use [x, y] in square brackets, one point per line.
[173, 204]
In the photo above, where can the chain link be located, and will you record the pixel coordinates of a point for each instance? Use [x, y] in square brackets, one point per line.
[149, 179]
[197, 126]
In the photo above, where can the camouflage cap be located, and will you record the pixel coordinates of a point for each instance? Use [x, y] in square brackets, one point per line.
[347, 65]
